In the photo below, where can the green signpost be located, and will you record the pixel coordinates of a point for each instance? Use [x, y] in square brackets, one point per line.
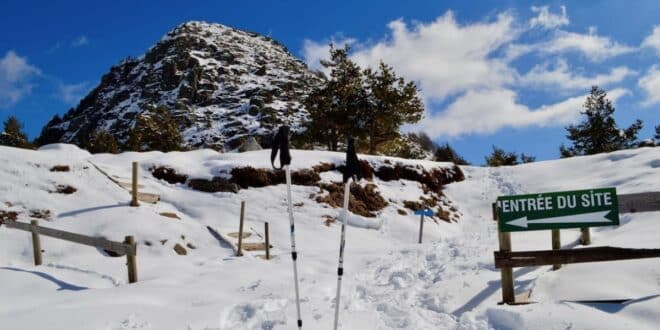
[556, 210]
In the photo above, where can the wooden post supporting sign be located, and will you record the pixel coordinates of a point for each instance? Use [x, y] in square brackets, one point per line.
[506, 273]
[556, 245]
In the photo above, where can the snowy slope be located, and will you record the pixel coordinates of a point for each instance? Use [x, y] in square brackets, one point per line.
[390, 282]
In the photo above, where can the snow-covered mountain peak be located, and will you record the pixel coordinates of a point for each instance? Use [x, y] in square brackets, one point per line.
[220, 84]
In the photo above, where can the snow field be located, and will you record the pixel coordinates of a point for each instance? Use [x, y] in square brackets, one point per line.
[390, 281]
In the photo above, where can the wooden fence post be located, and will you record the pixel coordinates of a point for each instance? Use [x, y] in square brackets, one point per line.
[556, 245]
[506, 273]
[134, 190]
[421, 228]
[267, 241]
[36, 243]
[131, 260]
[585, 239]
[240, 230]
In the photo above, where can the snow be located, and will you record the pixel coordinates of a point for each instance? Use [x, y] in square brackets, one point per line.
[390, 281]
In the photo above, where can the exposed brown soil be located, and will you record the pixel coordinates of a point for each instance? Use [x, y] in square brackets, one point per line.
[8, 216]
[40, 214]
[168, 174]
[65, 189]
[170, 215]
[180, 250]
[443, 212]
[363, 201]
[246, 177]
[217, 184]
[323, 167]
[60, 168]
[328, 220]
[251, 177]
[365, 168]
[433, 180]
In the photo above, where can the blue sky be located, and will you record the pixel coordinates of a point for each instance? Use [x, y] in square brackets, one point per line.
[509, 73]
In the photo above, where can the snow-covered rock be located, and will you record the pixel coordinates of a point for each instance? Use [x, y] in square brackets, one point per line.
[220, 84]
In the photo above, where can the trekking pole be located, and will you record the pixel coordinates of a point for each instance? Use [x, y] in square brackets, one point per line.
[281, 142]
[352, 171]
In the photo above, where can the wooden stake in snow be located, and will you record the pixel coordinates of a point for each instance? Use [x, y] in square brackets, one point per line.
[240, 231]
[267, 241]
[36, 242]
[131, 260]
[134, 190]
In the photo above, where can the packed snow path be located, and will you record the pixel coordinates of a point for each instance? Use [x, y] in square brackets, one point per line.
[390, 281]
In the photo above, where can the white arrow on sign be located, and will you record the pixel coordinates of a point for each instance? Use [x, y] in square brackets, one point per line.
[579, 218]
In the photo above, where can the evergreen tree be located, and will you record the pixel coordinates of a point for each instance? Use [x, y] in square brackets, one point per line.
[13, 134]
[499, 157]
[155, 130]
[657, 134]
[391, 102]
[445, 153]
[527, 159]
[102, 141]
[598, 132]
[333, 107]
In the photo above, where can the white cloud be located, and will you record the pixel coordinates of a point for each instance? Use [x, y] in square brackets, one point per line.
[560, 77]
[470, 66]
[650, 83]
[547, 20]
[488, 111]
[72, 93]
[80, 41]
[594, 47]
[653, 40]
[444, 57]
[15, 78]
[314, 52]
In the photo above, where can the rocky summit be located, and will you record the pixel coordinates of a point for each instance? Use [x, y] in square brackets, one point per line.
[221, 85]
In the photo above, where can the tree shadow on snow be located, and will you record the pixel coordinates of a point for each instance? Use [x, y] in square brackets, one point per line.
[62, 285]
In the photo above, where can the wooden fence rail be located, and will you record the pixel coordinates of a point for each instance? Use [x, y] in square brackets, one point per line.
[553, 257]
[128, 248]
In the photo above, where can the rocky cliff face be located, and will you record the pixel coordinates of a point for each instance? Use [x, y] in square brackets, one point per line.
[220, 84]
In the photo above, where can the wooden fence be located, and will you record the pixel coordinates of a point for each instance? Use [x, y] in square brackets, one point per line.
[127, 248]
[506, 260]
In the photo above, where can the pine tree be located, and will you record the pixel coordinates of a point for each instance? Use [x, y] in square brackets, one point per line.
[391, 102]
[445, 153]
[13, 134]
[598, 132]
[526, 158]
[155, 130]
[499, 157]
[333, 107]
[102, 141]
